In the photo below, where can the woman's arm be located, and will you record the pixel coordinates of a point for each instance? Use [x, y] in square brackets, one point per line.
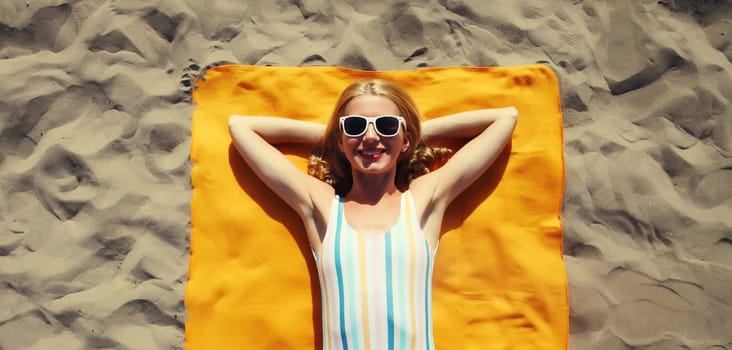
[254, 138]
[464, 124]
[276, 130]
[489, 130]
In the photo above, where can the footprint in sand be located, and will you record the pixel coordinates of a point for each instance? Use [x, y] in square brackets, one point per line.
[63, 182]
[192, 72]
[40, 31]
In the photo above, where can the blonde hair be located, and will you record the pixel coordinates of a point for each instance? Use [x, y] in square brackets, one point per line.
[328, 164]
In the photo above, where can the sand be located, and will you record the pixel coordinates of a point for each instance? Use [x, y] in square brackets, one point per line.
[95, 115]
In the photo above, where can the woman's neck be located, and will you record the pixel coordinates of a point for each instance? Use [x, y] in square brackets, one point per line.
[370, 189]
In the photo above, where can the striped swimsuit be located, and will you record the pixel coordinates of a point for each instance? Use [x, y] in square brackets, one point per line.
[376, 289]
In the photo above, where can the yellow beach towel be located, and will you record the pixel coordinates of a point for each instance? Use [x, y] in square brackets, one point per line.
[499, 279]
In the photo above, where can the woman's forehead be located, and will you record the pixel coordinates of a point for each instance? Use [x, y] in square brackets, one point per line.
[371, 105]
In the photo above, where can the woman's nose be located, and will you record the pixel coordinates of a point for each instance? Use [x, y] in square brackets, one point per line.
[370, 133]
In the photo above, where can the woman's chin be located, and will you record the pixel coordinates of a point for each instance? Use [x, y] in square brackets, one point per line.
[373, 167]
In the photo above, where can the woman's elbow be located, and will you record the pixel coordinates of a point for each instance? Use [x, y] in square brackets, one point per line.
[237, 122]
[234, 120]
[513, 113]
[238, 127]
[512, 117]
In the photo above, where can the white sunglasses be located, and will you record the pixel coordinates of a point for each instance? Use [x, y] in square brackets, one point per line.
[385, 125]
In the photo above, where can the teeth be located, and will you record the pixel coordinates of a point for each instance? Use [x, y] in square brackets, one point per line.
[372, 153]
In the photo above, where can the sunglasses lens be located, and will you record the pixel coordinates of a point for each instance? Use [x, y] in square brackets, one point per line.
[354, 125]
[387, 125]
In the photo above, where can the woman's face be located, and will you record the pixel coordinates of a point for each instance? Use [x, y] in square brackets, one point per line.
[372, 153]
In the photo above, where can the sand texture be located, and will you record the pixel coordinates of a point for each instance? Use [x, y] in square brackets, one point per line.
[95, 125]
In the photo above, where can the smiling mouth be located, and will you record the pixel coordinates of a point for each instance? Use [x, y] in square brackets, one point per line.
[372, 153]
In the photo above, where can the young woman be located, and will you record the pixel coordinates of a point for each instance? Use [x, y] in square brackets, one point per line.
[373, 203]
